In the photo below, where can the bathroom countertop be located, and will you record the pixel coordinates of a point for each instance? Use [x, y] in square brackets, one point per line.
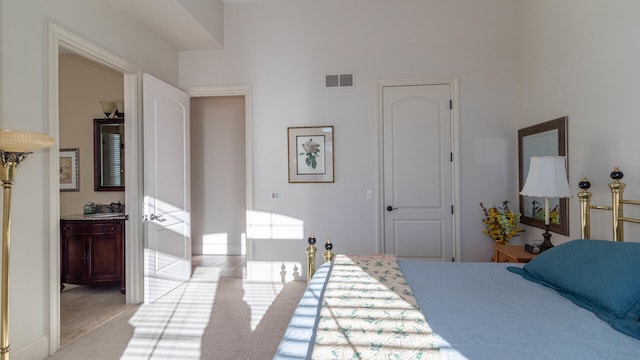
[96, 216]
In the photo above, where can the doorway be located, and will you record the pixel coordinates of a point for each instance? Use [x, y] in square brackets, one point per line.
[83, 84]
[60, 37]
[218, 220]
[418, 168]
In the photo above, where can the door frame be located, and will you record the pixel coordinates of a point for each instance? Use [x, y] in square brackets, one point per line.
[452, 81]
[60, 37]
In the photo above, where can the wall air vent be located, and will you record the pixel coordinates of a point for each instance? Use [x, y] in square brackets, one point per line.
[346, 79]
[339, 80]
[332, 81]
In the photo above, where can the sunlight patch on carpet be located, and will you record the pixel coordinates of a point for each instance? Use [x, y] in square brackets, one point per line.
[173, 326]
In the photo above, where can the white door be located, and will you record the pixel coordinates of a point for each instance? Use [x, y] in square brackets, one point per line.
[418, 199]
[166, 188]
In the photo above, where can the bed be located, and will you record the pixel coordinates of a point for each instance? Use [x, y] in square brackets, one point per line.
[578, 300]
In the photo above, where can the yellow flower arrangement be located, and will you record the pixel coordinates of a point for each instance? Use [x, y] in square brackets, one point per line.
[501, 222]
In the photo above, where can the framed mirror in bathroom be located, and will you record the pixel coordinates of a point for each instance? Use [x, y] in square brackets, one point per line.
[108, 153]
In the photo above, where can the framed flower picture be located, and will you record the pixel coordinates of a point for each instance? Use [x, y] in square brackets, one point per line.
[69, 170]
[310, 154]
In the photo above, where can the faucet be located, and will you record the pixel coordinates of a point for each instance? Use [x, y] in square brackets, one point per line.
[116, 207]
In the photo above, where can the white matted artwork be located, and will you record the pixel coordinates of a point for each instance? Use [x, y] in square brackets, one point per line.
[310, 154]
[69, 169]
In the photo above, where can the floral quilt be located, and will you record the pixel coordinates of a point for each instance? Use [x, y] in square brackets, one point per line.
[369, 312]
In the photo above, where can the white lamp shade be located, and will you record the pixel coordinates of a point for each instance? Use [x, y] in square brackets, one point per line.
[547, 178]
[23, 141]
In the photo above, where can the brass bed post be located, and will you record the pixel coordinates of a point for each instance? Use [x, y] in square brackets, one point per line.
[311, 256]
[328, 254]
[617, 202]
[585, 208]
[617, 188]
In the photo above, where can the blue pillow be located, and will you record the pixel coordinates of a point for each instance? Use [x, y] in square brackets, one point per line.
[630, 324]
[601, 276]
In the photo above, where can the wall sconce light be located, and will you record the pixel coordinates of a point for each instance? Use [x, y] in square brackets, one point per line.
[119, 109]
[14, 147]
[107, 108]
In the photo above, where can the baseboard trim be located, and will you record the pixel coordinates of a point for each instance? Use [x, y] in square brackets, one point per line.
[37, 349]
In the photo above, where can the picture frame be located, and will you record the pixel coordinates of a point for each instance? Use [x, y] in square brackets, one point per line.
[69, 169]
[311, 154]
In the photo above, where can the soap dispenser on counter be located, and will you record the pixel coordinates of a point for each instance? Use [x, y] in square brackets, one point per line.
[90, 208]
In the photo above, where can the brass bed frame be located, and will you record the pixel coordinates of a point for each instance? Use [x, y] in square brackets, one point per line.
[616, 208]
[311, 255]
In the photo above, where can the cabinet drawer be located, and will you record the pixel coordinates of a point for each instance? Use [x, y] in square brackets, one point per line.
[511, 254]
[90, 227]
[84, 228]
[505, 258]
[112, 228]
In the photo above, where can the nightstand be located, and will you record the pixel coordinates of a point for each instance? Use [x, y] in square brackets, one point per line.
[511, 254]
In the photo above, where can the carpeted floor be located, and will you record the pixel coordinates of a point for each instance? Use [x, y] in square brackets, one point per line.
[228, 310]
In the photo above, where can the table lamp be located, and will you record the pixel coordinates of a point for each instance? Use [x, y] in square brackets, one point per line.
[14, 147]
[547, 178]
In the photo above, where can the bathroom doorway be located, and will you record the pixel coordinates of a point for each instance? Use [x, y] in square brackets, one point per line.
[82, 85]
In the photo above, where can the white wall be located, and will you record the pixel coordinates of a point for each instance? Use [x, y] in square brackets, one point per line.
[283, 48]
[24, 105]
[580, 58]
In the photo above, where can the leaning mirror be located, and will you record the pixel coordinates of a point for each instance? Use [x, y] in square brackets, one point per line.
[544, 139]
[108, 153]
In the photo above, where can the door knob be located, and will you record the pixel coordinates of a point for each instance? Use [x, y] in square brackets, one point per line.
[390, 208]
[156, 217]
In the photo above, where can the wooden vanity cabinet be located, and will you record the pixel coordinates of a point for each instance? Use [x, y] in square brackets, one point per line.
[92, 252]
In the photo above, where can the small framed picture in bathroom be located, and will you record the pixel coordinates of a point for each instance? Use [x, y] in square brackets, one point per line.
[69, 169]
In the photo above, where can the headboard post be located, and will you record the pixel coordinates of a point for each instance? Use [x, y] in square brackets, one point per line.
[311, 256]
[617, 204]
[585, 208]
[617, 188]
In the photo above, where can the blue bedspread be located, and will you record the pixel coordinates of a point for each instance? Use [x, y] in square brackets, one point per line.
[483, 311]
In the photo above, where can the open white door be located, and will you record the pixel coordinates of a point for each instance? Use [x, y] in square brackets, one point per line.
[167, 194]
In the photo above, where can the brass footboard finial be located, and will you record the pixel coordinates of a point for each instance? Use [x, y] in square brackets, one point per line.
[585, 208]
[617, 188]
[328, 254]
[311, 256]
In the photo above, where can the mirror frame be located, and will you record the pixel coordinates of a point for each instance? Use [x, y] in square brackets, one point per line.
[559, 124]
[97, 150]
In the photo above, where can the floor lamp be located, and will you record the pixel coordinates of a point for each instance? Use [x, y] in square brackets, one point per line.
[547, 178]
[14, 147]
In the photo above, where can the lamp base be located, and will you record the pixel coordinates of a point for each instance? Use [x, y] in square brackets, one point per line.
[546, 244]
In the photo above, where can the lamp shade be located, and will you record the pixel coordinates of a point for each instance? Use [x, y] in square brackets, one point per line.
[23, 141]
[547, 178]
